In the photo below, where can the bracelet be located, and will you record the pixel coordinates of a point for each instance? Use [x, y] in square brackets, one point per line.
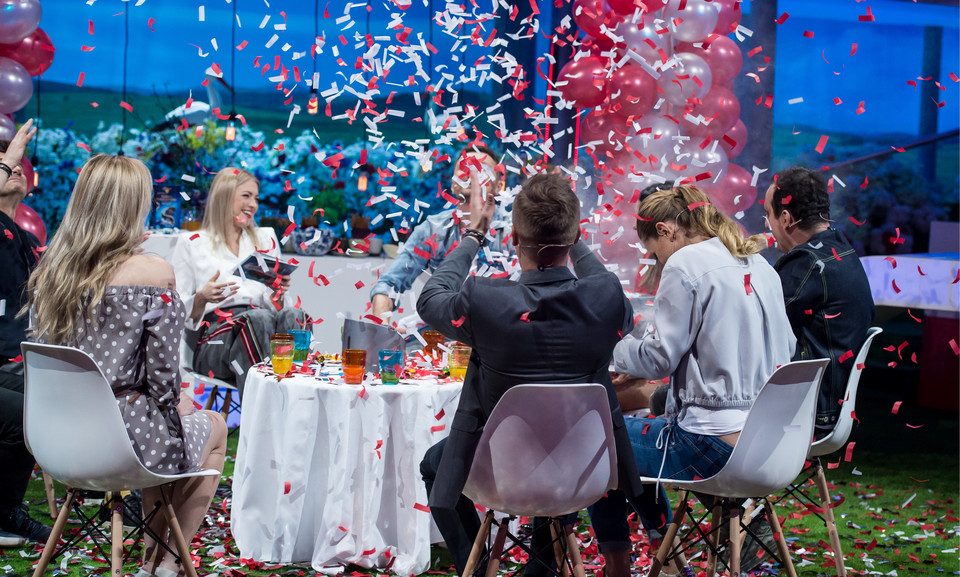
[6, 169]
[475, 235]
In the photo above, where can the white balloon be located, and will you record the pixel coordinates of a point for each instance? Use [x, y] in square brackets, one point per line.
[689, 76]
[636, 35]
[697, 19]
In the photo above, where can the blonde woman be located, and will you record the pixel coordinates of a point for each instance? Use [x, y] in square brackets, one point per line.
[92, 290]
[229, 317]
[719, 331]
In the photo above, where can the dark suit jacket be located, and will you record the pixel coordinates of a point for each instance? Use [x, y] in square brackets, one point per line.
[550, 327]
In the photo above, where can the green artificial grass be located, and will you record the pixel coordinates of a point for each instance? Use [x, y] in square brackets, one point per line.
[898, 514]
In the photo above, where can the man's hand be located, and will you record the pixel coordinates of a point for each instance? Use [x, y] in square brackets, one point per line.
[14, 153]
[632, 392]
[284, 285]
[482, 206]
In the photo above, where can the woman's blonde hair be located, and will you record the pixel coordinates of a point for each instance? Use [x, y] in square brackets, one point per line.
[693, 212]
[102, 227]
[218, 217]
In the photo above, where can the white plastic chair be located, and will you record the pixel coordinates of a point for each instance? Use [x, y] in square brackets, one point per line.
[834, 441]
[769, 454]
[75, 431]
[545, 451]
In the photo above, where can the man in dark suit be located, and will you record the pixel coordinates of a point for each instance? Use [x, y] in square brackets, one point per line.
[550, 326]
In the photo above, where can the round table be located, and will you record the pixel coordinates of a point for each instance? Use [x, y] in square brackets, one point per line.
[330, 473]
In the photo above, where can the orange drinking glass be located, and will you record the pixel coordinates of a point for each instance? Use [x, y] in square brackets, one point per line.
[434, 340]
[354, 363]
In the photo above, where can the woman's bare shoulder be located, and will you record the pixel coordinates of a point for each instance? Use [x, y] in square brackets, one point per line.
[144, 270]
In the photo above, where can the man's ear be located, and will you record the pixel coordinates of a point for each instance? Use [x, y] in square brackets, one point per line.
[786, 218]
[513, 236]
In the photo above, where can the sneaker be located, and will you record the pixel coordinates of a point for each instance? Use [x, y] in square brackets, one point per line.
[10, 540]
[132, 511]
[18, 522]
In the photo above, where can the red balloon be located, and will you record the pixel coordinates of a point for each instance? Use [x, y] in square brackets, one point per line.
[628, 7]
[722, 55]
[589, 15]
[27, 172]
[738, 134]
[586, 82]
[720, 107]
[30, 221]
[633, 89]
[729, 18]
[733, 193]
[35, 52]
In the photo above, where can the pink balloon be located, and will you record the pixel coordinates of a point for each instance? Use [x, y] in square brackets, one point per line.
[30, 221]
[603, 127]
[7, 128]
[729, 17]
[28, 173]
[16, 88]
[733, 193]
[720, 107]
[35, 52]
[722, 55]
[737, 134]
[633, 89]
[20, 18]
[689, 78]
[586, 82]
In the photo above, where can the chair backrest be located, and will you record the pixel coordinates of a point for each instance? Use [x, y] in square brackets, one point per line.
[841, 431]
[773, 443]
[72, 425]
[546, 450]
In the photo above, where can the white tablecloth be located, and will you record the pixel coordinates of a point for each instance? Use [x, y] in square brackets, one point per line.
[918, 281]
[330, 473]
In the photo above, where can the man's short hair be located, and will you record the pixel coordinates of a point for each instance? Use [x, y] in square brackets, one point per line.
[806, 197]
[546, 211]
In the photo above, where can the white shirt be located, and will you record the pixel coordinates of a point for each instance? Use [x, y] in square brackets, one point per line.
[196, 259]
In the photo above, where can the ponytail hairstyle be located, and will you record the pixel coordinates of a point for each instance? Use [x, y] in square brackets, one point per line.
[694, 214]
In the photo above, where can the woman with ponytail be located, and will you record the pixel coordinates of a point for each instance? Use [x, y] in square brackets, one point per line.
[719, 331]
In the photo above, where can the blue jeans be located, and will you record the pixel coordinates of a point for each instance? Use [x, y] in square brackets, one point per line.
[688, 456]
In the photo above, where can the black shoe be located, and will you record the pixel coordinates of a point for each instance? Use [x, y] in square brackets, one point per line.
[17, 521]
[750, 553]
[132, 511]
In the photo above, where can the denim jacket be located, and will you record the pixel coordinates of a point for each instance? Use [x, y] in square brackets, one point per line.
[429, 244]
[830, 308]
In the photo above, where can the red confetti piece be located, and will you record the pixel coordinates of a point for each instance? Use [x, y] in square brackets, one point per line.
[861, 108]
[258, 147]
[849, 453]
[150, 24]
[835, 255]
[80, 80]
[458, 322]
[87, 48]
[420, 507]
[836, 100]
[437, 428]
[359, 284]
[783, 18]
[896, 289]
[369, 552]
[896, 407]
[893, 261]
[845, 356]
[913, 317]
[853, 49]
[525, 317]
[913, 426]
[808, 33]
[83, 146]
[694, 205]
[286, 487]
[746, 284]
[374, 319]
[126, 106]
[826, 316]
[822, 144]
[919, 270]
[954, 346]
[868, 17]
[166, 299]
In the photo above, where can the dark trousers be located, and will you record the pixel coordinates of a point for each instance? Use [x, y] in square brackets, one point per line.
[460, 526]
[16, 463]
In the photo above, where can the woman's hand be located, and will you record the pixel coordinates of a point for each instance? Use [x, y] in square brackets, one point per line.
[216, 292]
[280, 288]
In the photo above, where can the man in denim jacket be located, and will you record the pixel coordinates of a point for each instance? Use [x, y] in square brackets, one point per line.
[437, 235]
[825, 289]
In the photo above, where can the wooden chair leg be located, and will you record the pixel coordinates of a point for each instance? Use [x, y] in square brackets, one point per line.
[55, 533]
[735, 540]
[116, 534]
[227, 399]
[186, 561]
[558, 557]
[573, 548]
[672, 531]
[781, 542]
[211, 398]
[493, 565]
[474, 559]
[831, 522]
[51, 495]
[714, 539]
